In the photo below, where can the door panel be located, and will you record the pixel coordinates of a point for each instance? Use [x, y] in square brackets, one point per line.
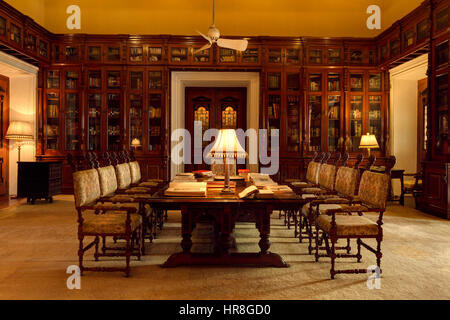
[219, 108]
[422, 106]
[4, 121]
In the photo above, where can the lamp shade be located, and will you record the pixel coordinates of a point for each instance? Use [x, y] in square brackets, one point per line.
[227, 145]
[19, 130]
[369, 141]
[135, 142]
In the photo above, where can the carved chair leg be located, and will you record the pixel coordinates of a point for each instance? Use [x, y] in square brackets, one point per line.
[379, 254]
[97, 240]
[166, 216]
[300, 228]
[358, 254]
[127, 255]
[141, 242]
[103, 244]
[349, 248]
[317, 245]
[333, 257]
[295, 224]
[80, 254]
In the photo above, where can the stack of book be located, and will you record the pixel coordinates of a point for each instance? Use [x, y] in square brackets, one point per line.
[186, 189]
[184, 177]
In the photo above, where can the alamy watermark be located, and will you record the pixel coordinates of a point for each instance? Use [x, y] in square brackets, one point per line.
[74, 280]
[374, 280]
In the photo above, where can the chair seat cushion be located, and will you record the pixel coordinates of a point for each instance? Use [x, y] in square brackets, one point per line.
[322, 208]
[117, 206]
[309, 196]
[148, 184]
[313, 190]
[300, 183]
[114, 222]
[122, 198]
[349, 225]
[137, 190]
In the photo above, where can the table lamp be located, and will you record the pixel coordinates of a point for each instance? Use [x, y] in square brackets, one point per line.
[369, 141]
[227, 146]
[135, 143]
[19, 131]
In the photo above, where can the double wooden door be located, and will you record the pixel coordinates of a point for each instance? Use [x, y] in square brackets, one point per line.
[4, 122]
[213, 108]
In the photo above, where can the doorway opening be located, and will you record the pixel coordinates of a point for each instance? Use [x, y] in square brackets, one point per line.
[408, 116]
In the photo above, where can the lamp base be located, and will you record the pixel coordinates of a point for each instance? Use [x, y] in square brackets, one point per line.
[227, 191]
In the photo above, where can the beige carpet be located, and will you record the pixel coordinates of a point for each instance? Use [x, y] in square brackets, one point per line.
[39, 242]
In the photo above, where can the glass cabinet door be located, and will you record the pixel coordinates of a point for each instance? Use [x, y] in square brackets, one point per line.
[375, 118]
[72, 122]
[113, 78]
[293, 123]
[356, 110]
[95, 80]
[334, 122]
[274, 113]
[315, 122]
[52, 126]
[94, 122]
[136, 112]
[72, 80]
[154, 122]
[53, 79]
[441, 143]
[113, 105]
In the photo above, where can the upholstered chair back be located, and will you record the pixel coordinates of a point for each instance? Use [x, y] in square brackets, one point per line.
[346, 179]
[312, 174]
[327, 174]
[373, 189]
[86, 187]
[218, 168]
[108, 180]
[135, 172]
[123, 174]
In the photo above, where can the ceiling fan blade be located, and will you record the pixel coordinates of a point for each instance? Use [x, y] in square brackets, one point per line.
[239, 45]
[206, 46]
[206, 37]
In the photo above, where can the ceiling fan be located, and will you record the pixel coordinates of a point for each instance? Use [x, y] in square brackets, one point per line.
[214, 37]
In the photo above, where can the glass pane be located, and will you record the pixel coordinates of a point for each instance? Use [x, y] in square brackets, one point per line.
[53, 79]
[136, 80]
[293, 123]
[2, 26]
[334, 123]
[113, 105]
[202, 56]
[178, 54]
[423, 30]
[293, 81]
[227, 55]
[155, 80]
[31, 42]
[274, 81]
[442, 53]
[43, 49]
[375, 82]
[293, 56]
[94, 107]
[442, 113]
[95, 80]
[250, 55]
[356, 56]
[94, 54]
[334, 82]
[113, 54]
[315, 82]
[136, 108]
[16, 33]
[334, 56]
[315, 56]
[113, 80]
[72, 78]
[383, 52]
[395, 47]
[409, 38]
[274, 115]
[229, 117]
[356, 109]
[154, 122]
[154, 54]
[274, 55]
[71, 54]
[72, 122]
[315, 122]
[356, 82]
[442, 19]
[375, 116]
[371, 57]
[136, 54]
[52, 121]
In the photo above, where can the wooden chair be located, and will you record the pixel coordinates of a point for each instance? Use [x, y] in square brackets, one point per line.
[99, 221]
[348, 222]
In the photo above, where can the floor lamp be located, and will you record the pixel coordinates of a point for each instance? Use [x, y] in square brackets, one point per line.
[19, 131]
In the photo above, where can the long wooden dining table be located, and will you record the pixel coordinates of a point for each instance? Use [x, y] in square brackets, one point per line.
[224, 211]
